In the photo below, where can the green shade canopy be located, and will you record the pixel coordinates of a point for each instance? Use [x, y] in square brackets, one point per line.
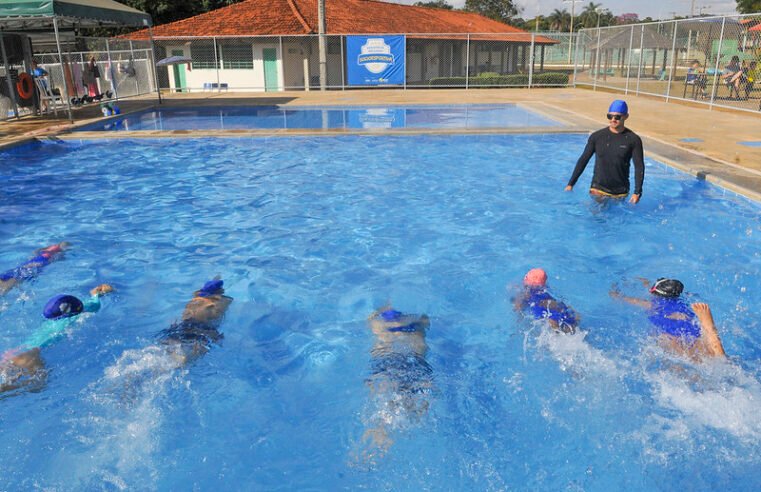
[31, 15]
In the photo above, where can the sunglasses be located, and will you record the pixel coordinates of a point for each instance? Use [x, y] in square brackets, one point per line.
[616, 117]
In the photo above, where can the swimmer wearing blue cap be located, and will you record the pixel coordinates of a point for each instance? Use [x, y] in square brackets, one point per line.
[400, 378]
[23, 365]
[614, 148]
[30, 268]
[193, 335]
[688, 330]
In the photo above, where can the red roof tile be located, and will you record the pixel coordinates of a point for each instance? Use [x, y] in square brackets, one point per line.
[298, 17]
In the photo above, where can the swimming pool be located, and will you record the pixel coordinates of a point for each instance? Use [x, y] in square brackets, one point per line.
[306, 117]
[310, 242]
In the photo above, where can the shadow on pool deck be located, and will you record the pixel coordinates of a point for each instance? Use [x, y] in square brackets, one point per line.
[714, 152]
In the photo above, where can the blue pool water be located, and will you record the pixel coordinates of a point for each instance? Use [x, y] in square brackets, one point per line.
[294, 117]
[312, 234]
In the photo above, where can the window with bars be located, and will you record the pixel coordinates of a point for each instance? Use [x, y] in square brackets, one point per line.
[203, 56]
[237, 56]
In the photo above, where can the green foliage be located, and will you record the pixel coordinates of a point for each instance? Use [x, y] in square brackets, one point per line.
[164, 11]
[748, 6]
[491, 79]
[434, 4]
[499, 10]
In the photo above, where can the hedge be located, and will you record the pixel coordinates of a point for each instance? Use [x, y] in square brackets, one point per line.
[515, 79]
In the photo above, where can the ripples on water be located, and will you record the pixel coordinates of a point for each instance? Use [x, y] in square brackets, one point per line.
[311, 235]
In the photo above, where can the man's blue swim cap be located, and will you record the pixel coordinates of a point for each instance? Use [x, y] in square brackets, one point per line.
[391, 315]
[211, 287]
[618, 106]
[62, 306]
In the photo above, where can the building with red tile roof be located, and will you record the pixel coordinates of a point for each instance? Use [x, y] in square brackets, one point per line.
[272, 44]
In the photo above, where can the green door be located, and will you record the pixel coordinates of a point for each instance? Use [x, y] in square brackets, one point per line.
[270, 69]
[179, 72]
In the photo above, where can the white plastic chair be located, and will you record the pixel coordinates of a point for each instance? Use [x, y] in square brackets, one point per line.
[47, 96]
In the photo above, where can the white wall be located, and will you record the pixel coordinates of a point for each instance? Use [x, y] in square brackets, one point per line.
[236, 79]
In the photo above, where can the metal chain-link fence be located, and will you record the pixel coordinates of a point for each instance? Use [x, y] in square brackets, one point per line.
[93, 70]
[708, 60]
[276, 63]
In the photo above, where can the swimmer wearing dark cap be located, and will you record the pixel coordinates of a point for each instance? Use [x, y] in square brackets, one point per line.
[193, 335]
[614, 147]
[31, 267]
[685, 329]
[23, 365]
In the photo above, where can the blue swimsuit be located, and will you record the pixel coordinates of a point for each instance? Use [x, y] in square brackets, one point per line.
[535, 303]
[27, 270]
[663, 307]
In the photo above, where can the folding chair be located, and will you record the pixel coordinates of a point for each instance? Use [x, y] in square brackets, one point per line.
[47, 95]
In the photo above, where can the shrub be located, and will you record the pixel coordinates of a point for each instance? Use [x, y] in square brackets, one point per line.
[490, 79]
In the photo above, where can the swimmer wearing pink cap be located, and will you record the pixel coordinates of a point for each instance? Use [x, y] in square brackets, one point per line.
[31, 267]
[536, 302]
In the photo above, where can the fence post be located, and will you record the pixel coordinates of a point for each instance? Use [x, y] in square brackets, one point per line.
[8, 80]
[673, 61]
[282, 61]
[467, 60]
[216, 62]
[404, 64]
[132, 60]
[111, 72]
[716, 68]
[629, 60]
[597, 60]
[531, 61]
[60, 60]
[576, 56]
[639, 64]
[343, 75]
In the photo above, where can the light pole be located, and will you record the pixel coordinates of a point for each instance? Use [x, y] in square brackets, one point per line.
[573, 11]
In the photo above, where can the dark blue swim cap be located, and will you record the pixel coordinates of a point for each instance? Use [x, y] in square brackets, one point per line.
[391, 315]
[211, 287]
[62, 306]
[618, 106]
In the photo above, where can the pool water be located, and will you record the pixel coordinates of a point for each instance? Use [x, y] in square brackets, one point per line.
[311, 235]
[305, 117]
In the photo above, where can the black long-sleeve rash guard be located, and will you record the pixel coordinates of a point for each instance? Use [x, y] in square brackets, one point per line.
[614, 152]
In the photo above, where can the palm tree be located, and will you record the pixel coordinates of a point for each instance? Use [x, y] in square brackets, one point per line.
[588, 17]
[560, 20]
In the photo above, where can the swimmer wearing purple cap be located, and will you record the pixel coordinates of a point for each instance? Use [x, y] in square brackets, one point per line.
[23, 365]
[614, 147]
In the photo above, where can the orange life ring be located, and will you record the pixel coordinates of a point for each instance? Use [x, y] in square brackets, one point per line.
[25, 86]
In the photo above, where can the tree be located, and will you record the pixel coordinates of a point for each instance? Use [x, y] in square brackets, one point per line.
[748, 6]
[560, 20]
[499, 10]
[434, 4]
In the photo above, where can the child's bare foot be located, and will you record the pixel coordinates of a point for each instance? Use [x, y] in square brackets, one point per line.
[710, 336]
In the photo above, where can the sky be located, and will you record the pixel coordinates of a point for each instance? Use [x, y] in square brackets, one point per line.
[657, 9]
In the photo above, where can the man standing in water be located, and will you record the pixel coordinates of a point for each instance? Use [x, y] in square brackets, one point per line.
[615, 147]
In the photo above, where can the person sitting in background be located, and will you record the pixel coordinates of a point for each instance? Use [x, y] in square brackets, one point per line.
[688, 330]
[751, 75]
[23, 365]
[697, 78]
[536, 302]
[731, 76]
[32, 267]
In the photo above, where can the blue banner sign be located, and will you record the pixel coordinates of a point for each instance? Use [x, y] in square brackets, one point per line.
[375, 60]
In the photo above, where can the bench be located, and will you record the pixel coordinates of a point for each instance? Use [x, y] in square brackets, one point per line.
[210, 86]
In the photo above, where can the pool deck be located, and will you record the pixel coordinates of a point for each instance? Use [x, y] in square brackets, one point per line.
[713, 150]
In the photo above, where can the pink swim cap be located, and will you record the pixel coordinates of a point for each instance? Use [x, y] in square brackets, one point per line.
[536, 277]
[56, 248]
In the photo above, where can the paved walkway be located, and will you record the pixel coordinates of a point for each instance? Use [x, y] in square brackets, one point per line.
[714, 150]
